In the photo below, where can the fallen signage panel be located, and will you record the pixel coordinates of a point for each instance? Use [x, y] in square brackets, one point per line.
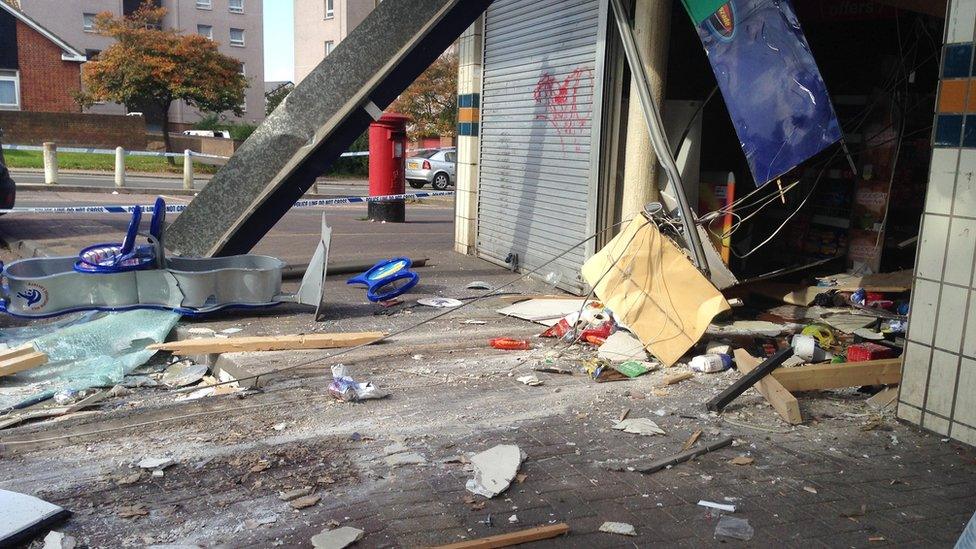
[266, 343]
[652, 288]
[317, 122]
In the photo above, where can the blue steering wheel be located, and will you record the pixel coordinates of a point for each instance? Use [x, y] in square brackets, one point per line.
[387, 279]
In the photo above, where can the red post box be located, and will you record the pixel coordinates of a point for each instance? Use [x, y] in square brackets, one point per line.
[387, 166]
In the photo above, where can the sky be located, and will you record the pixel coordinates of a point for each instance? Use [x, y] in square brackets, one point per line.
[279, 40]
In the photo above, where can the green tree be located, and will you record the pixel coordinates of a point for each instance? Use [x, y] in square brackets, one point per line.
[431, 101]
[148, 67]
[274, 97]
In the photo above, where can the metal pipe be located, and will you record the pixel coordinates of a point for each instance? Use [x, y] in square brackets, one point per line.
[655, 127]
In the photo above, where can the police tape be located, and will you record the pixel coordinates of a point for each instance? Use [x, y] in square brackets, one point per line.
[176, 208]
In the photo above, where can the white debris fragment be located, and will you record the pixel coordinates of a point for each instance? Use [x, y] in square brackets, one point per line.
[529, 380]
[639, 426]
[337, 539]
[494, 470]
[719, 506]
[59, 540]
[513, 519]
[621, 528]
[156, 462]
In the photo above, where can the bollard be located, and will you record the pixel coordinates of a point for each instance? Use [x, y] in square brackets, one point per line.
[50, 163]
[187, 170]
[315, 187]
[119, 167]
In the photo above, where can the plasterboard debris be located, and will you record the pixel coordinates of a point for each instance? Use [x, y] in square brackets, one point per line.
[494, 470]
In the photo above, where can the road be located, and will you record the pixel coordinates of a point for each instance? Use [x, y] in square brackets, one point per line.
[331, 187]
[429, 228]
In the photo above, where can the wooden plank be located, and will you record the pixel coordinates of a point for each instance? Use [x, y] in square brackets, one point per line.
[778, 397]
[17, 352]
[884, 398]
[24, 362]
[512, 538]
[513, 299]
[266, 343]
[817, 377]
[676, 377]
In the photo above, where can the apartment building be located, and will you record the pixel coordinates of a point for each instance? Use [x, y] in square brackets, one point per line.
[319, 27]
[236, 24]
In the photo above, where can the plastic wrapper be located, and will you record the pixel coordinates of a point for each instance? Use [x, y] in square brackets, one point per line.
[347, 389]
[735, 528]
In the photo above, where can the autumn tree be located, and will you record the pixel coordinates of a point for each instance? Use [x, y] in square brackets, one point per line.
[431, 101]
[148, 67]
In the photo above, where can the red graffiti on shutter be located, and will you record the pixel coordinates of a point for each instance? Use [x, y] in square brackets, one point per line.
[561, 103]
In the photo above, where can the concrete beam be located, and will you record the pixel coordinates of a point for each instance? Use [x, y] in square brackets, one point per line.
[316, 123]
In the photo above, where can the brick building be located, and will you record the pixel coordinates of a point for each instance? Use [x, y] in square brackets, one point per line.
[39, 72]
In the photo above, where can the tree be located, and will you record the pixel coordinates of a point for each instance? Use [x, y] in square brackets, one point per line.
[274, 97]
[148, 67]
[431, 101]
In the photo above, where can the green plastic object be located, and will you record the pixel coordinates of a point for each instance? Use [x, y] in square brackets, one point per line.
[631, 368]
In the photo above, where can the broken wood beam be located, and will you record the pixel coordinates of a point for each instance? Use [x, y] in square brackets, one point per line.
[817, 377]
[656, 466]
[883, 398]
[266, 343]
[778, 397]
[748, 380]
[20, 359]
[511, 538]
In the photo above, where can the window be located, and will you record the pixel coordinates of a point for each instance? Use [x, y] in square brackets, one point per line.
[236, 6]
[329, 9]
[9, 90]
[329, 45]
[205, 30]
[204, 4]
[450, 156]
[237, 37]
[88, 22]
[242, 69]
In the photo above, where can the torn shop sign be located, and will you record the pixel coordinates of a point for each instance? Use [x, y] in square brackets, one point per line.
[770, 81]
[129, 275]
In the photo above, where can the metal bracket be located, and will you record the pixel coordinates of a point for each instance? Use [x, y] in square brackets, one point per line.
[655, 127]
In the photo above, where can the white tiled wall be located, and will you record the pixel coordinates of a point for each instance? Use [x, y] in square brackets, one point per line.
[938, 389]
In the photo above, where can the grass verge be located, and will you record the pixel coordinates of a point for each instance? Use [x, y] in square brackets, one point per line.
[102, 162]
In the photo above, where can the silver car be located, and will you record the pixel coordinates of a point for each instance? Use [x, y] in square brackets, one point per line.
[437, 167]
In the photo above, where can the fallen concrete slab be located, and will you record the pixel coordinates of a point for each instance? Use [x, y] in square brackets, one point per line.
[316, 123]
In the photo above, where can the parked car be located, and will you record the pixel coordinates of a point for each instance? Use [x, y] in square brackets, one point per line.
[437, 167]
[8, 189]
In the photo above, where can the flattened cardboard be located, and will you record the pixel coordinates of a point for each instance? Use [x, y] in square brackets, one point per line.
[653, 288]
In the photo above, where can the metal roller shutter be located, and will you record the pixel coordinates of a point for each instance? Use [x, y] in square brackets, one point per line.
[539, 108]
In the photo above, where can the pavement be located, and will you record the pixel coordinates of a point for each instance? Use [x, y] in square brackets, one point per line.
[850, 476]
